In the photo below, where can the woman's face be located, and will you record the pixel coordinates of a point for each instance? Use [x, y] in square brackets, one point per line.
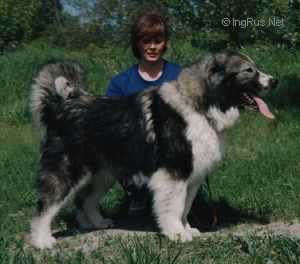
[152, 49]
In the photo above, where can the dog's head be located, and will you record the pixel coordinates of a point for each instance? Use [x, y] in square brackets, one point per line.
[234, 80]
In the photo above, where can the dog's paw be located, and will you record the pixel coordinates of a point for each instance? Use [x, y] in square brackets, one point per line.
[43, 242]
[193, 231]
[179, 236]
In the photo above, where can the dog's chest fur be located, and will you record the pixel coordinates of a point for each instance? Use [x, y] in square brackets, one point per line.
[207, 146]
[202, 131]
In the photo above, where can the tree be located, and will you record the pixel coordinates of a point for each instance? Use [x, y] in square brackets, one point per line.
[24, 20]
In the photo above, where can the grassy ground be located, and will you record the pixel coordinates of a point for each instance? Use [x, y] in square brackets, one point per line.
[259, 180]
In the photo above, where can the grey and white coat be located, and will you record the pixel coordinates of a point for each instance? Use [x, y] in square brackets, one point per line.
[172, 135]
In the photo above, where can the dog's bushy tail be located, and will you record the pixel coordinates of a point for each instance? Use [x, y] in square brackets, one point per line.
[55, 83]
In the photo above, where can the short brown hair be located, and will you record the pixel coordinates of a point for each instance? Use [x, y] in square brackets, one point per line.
[150, 24]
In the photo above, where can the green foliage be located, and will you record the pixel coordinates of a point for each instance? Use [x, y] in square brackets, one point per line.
[16, 21]
[71, 35]
[274, 22]
[21, 21]
[49, 14]
[104, 23]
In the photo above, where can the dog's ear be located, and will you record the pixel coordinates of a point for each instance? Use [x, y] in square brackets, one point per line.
[220, 70]
[216, 75]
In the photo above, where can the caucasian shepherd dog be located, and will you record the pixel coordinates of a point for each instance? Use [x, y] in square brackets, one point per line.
[172, 135]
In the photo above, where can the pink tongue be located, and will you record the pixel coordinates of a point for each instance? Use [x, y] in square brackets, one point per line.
[263, 108]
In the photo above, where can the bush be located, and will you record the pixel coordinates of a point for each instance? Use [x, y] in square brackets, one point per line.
[22, 21]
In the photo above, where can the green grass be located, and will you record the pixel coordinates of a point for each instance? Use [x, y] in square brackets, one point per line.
[258, 181]
[157, 250]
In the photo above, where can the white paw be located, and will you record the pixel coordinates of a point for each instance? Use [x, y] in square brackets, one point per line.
[43, 242]
[179, 236]
[193, 231]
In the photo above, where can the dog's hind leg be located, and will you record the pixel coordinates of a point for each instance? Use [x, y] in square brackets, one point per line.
[54, 191]
[169, 196]
[87, 202]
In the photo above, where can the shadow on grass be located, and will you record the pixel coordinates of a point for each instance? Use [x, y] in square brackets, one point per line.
[206, 215]
[212, 216]
[142, 223]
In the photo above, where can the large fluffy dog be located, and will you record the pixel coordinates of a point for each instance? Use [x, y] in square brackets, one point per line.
[172, 135]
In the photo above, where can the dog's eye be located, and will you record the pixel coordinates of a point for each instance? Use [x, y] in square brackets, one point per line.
[250, 70]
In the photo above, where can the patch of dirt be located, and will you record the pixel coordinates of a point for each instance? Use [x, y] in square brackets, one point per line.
[141, 226]
[291, 228]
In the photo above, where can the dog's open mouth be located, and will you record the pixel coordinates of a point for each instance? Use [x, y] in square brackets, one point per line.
[255, 103]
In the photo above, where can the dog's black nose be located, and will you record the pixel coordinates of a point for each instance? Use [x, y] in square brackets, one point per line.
[273, 82]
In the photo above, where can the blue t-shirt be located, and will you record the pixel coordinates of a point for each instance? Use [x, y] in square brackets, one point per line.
[130, 81]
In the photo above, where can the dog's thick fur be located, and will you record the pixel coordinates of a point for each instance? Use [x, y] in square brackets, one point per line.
[172, 135]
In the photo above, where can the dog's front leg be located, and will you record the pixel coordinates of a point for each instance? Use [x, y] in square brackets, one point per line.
[190, 197]
[169, 196]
